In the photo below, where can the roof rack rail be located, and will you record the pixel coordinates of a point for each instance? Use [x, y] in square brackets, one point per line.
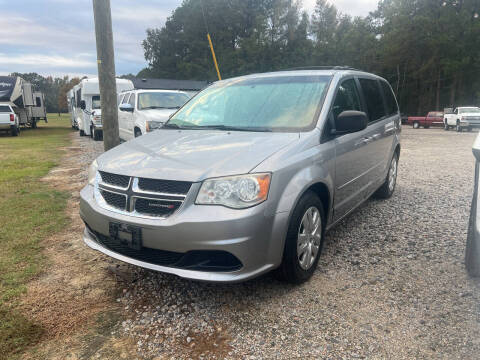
[322, 68]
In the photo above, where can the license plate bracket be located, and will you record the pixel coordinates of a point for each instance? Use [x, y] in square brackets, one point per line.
[127, 235]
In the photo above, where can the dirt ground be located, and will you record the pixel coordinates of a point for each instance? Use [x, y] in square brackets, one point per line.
[390, 284]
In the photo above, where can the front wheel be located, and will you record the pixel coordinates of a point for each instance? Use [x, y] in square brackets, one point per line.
[137, 133]
[304, 241]
[416, 125]
[458, 128]
[446, 127]
[388, 187]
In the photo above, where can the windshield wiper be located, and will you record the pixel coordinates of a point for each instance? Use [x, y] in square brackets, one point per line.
[171, 126]
[235, 128]
[160, 107]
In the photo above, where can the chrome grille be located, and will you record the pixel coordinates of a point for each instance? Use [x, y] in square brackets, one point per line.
[138, 196]
[118, 201]
[114, 179]
[164, 186]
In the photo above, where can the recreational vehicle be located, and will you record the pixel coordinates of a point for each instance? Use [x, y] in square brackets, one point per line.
[29, 106]
[86, 109]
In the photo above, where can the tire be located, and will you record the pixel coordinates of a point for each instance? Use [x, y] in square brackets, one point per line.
[446, 127]
[34, 123]
[137, 132]
[388, 187]
[298, 268]
[472, 249]
[91, 132]
[416, 125]
[82, 133]
[427, 126]
[14, 130]
[458, 128]
[469, 129]
[97, 135]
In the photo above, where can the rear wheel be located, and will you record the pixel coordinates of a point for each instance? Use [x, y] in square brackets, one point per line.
[386, 190]
[416, 125]
[97, 135]
[82, 133]
[304, 241]
[14, 130]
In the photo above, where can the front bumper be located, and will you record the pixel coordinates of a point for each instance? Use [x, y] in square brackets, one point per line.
[467, 123]
[255, 238]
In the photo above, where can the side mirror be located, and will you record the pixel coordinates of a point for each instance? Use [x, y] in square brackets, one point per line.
[83, 106]
[126, 107]
[349, 122]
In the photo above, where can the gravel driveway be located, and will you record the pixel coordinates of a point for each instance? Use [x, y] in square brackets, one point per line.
[390, 284]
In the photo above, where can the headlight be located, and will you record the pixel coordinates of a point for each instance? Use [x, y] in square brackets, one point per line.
[153, 125]
[92, 172]
[237, 192]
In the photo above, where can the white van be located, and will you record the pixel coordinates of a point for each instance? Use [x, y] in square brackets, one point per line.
[142, 111]
[87, 107]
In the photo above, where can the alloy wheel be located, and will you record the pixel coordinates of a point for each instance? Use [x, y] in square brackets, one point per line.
[309, 238]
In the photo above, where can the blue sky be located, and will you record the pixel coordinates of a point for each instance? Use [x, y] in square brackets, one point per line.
[56, 37]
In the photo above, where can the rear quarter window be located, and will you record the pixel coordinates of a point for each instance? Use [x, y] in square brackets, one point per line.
[373, 99]
[392, 107]
[5, 108]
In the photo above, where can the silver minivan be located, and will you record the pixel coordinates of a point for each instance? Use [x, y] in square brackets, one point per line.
[247, 176]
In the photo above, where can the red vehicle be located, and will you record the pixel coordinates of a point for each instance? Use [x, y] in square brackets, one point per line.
[433, 118]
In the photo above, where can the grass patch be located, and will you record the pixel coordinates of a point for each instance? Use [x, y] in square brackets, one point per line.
[31, 211]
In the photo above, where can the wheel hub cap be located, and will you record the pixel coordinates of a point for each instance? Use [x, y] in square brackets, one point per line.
[392, 174]
[309, 238]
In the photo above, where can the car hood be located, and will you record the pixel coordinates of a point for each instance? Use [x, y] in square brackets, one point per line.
[158, 115]
[193, 155]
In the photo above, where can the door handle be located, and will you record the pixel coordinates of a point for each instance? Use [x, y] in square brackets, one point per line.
[363, 141]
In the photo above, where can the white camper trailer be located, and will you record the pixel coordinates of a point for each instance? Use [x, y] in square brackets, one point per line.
[87, 113]
[27, 104]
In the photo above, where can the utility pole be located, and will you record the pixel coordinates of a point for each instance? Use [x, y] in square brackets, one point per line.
[106, 72]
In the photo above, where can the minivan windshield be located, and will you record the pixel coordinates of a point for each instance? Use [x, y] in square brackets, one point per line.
[161, 100]
[276, 103]
[469, 110]
[96, 104]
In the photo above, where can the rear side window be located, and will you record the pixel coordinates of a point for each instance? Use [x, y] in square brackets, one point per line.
[373, 98]
[38, 102]
[392, 107]
[5, 108]
[346, 99]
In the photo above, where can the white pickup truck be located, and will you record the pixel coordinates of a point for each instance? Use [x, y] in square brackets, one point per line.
[461, 118]
[9, 120]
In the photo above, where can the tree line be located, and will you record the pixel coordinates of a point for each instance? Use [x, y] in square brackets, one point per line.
[427, 49]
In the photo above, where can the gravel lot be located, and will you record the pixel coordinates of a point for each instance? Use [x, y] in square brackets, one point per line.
[390, 284]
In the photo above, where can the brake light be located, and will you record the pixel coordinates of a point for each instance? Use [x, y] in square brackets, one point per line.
[12, 117]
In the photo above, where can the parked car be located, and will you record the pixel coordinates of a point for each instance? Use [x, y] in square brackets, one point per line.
[461, 118]
[247, 176]
[142, 111]
[433, 118]
[9, 120]
[472, 251]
